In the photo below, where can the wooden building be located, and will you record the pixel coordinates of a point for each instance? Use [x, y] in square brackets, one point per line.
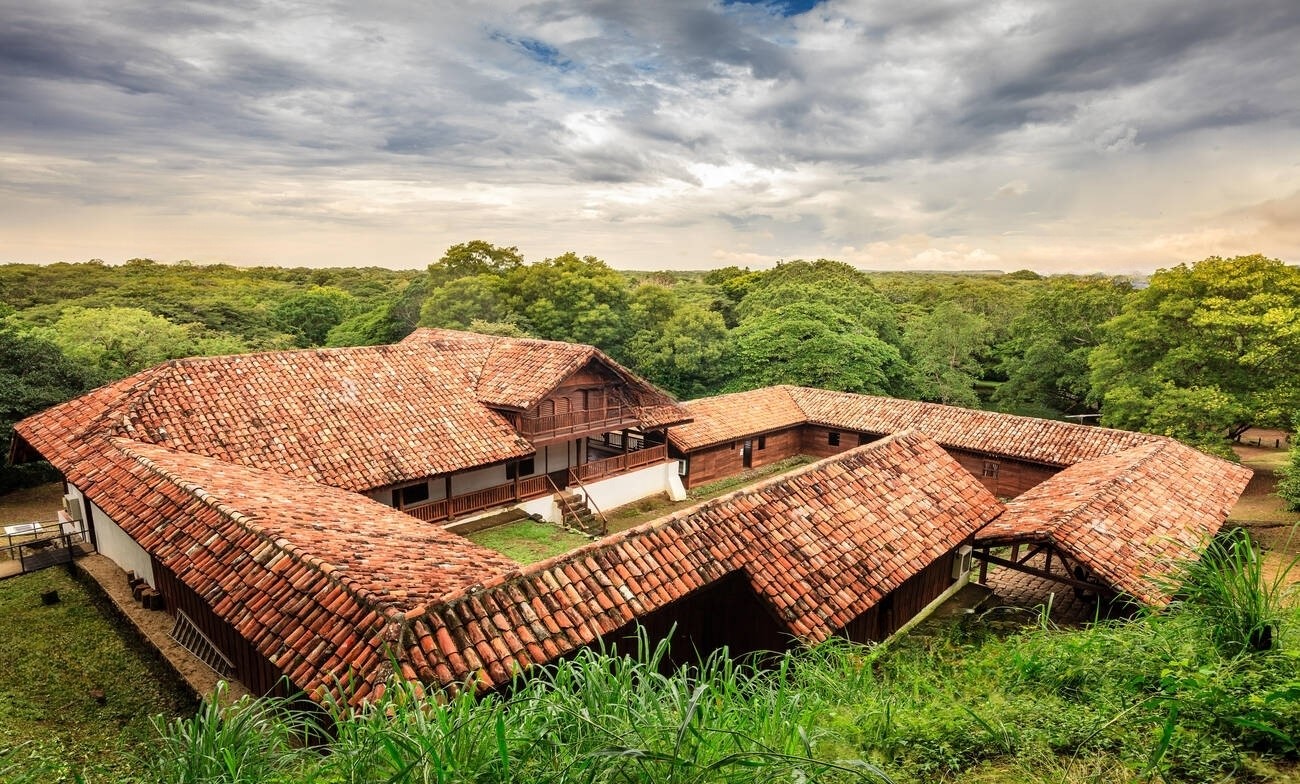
[1008, 454]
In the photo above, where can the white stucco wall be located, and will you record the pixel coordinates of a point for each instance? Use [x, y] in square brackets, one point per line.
[625, 488]
[470, 481]
[120, 547]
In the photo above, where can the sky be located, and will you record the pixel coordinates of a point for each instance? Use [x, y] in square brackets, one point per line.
[1049, 135]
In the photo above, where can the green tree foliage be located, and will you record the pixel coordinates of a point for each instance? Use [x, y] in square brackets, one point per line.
[813, 344]
[310, 315]
[110, 343]
[475, 257]
[1205, 352]
[458, 302]
[1288, 483]
[688, 356]
[34, 375]
[1045, 356]
[942, 348]
[371, 328]
[578, 299]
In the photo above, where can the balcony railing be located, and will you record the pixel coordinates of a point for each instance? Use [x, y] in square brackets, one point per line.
[608, 418]
[532, 486]
[478, 500]
[618, 464]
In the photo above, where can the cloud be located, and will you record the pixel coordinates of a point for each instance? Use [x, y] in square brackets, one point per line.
[1027, 133]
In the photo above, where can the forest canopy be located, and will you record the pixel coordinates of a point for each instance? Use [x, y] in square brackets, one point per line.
[1201, 351]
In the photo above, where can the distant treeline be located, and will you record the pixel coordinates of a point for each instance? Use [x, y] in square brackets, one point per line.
[1202, 352]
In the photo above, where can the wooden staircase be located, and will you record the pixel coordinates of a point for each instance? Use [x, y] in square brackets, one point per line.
[577, 514]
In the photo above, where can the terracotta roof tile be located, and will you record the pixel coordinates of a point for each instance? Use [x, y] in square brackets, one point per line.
[730, 417]
[901, 500]
[516, 373]
[292, 582]
[1130, 516]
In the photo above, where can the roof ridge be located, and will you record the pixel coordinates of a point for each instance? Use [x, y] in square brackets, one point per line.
[538, 567]
[1106, 489]
[248, 523]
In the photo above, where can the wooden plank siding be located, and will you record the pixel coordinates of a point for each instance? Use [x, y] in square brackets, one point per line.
[903, 603]
[728, 613]
[1005, 477]
[250, 667]
[724, 460]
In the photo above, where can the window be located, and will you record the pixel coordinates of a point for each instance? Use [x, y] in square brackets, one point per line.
[733, 445]
[863, 438]
[762, 442]
[410, 495]
[520, 468]
[991, 468]
[833, 438]
[681, 468]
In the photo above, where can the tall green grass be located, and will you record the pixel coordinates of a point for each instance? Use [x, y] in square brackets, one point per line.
[1229, 588]
[1160, 697]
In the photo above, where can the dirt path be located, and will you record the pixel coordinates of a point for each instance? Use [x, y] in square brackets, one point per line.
[1260, 511]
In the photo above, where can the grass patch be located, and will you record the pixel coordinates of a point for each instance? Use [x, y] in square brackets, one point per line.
[528, 541]
[52, 658]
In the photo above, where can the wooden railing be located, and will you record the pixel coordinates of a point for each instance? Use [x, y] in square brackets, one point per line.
[576, 421]
[619, 463]
[478, 500]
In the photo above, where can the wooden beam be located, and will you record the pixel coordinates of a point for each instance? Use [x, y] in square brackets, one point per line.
[1020, 567]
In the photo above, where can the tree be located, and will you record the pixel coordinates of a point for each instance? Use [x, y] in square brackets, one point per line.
[111, 343]
[371, 328]
[1288, 483]
[1045, 356]
[688, 357]
[34, 375]
[310, 315]
[578, 299]
[1204, 352]
[813, 344]
[941, 349]
[458, 302]
[475, 257]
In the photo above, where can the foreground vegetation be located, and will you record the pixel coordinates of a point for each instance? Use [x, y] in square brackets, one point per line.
[76, 691]
[1193, 694]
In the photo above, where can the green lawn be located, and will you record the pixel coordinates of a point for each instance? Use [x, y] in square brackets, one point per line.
[528, 541]
[51, 659]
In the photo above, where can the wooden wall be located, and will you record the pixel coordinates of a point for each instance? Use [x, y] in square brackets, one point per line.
[1003, 476]
[251, 668]
[726, 613]
[903, 603]
[724, 460]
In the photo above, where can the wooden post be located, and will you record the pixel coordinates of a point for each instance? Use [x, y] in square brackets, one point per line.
[984, 569]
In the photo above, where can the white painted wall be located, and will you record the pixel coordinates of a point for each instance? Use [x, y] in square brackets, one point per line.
[470, 481]
[623, 489]
[120, 548]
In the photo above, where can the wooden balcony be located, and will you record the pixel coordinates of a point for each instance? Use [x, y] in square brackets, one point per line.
[571, 423]
[478, 500]
[619, 464]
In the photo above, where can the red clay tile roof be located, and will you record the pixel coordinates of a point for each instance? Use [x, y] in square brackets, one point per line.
[1130, 516]
[728, 417]
[309, 574]
[516, 373]
[820, 546]
[354, 418]
[725, 418]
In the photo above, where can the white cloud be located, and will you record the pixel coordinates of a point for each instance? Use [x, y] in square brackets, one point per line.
[1021, 133]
